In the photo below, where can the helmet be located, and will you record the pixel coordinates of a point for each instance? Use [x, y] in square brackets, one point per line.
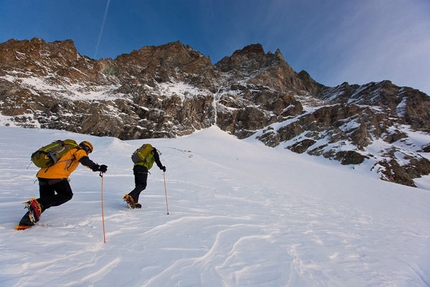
[87, 146]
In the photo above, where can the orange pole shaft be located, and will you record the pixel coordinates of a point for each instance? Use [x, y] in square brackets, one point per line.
[165, 193]
[103, 209]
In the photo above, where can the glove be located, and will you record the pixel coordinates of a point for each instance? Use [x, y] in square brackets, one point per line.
[103, 168]
[163, 168]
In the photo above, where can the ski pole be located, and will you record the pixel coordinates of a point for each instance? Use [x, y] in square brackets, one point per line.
[103, 210]
[165, 193]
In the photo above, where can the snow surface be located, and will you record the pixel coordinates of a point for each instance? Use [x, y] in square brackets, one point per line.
[67, 90]
[241, 214]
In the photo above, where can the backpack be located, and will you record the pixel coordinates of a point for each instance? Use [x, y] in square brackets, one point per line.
[141, 154]
[48, 155]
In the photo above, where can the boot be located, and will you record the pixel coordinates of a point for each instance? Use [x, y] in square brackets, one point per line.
[130, 202]
[34, 210]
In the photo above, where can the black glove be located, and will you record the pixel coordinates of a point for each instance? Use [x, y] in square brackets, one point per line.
[103, 168]
[163, 168]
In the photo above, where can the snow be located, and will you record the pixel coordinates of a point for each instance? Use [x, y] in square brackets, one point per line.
[240, 214]
[180, 89]
[78, 91]
[401, 108]
[65, 89]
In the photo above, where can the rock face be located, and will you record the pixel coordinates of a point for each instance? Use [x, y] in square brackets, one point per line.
[173, 90]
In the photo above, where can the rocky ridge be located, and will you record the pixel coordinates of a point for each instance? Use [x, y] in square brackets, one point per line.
[172, 90]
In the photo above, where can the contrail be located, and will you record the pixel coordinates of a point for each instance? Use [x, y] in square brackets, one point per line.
[101, 30]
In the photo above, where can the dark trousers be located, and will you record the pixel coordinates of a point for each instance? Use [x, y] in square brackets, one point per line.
[54, 192]
[140, 180]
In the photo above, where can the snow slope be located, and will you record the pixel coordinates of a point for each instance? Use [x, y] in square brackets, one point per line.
[241, 214]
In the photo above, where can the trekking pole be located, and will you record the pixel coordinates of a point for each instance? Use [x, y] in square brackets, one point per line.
[103, 210]
[165, 193]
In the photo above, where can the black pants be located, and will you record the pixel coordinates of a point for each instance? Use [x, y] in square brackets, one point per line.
[54, 192]
[140, 180]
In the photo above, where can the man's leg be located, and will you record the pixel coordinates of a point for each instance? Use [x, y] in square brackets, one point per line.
[54, 193]
[140, 181]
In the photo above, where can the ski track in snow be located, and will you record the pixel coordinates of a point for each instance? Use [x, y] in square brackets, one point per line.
[240, 215]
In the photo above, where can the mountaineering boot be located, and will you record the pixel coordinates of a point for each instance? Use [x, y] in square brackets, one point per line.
[130, 202]
[31, 216]
[34, 210]
[25, 222]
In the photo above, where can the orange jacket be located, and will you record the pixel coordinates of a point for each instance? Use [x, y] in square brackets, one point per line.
[65, 166]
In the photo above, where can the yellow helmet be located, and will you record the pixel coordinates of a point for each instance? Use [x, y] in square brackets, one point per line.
[87, 146]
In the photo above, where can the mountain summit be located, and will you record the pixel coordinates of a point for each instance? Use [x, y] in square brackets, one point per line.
[173, 90]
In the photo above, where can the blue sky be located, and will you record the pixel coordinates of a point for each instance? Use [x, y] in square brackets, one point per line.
[335, 41]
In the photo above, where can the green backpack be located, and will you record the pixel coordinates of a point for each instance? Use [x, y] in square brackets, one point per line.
[48, 155]
[141, 154]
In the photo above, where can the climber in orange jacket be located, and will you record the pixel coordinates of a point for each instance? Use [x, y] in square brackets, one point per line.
[54, 187]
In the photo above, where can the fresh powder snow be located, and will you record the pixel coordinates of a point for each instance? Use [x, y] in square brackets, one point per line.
[240, 214]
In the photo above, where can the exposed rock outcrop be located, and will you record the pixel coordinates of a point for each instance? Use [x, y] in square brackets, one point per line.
[173, 90]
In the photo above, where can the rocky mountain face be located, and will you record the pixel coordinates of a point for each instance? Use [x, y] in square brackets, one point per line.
[172, 90]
